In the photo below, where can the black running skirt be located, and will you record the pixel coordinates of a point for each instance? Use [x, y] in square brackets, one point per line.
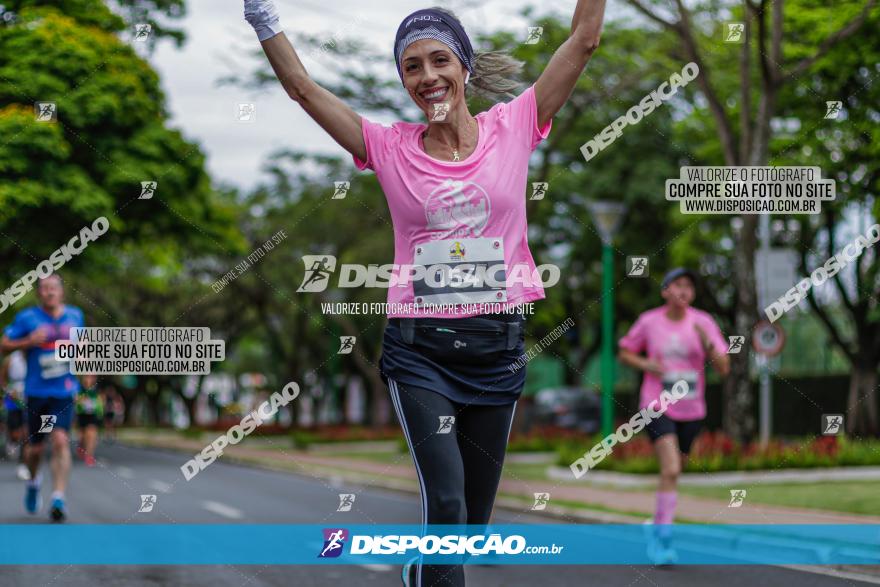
[459, 358]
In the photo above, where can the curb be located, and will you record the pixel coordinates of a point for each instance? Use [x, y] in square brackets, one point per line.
[616, 479]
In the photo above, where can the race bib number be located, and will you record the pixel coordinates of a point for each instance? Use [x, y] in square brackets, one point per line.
[89, 404]
[50, 368]
[688, 376]
[459, 271]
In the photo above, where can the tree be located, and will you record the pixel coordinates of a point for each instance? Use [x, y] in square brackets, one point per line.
[845, 147]
[110, 135]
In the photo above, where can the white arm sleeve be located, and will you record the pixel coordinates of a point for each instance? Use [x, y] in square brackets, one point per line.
[263, 16]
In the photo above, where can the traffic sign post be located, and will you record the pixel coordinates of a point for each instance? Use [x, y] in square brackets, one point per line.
[774, 273]
[767, 340]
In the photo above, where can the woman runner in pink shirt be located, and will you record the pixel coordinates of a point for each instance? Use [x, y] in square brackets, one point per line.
[455, 188]
[677, 341]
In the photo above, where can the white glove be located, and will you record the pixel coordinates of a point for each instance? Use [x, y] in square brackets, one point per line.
[263, 16]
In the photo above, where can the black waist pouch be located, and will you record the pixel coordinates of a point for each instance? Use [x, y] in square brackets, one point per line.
[470, 340]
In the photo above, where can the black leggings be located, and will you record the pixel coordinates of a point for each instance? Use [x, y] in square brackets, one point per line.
[458, 470]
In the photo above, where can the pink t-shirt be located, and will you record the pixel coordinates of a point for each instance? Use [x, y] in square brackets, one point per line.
[675, 344]
[463, 223]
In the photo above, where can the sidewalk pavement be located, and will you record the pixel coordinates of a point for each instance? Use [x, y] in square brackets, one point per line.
[726, 478]
[401, 476]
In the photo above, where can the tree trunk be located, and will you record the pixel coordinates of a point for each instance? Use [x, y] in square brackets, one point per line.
[861, 402]
[294, 405]
[739, 420]
[153, 408]
[129, 396]
[190, 403]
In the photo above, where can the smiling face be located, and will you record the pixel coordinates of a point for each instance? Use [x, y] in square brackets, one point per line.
[680, 293]
[432, 74]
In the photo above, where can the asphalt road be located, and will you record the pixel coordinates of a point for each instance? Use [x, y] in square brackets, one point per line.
[228, 494]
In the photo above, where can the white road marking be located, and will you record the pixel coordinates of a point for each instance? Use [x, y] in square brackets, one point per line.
[222, 509]
[160, 486]
[379, 568]
[832, 572]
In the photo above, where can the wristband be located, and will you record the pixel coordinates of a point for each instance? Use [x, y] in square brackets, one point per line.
[263, 17]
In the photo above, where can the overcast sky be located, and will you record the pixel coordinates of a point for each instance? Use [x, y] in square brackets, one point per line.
[216, 31]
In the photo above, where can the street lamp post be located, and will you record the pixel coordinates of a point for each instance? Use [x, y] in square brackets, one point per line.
[607, 217]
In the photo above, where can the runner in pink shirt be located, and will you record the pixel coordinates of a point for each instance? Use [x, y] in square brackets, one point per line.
[456, 188]
[677, 341]
[472, 210]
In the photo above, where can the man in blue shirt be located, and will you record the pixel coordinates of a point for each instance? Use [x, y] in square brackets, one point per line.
[50, 387]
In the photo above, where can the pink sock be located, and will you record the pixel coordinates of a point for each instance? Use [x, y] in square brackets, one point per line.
[665, 507]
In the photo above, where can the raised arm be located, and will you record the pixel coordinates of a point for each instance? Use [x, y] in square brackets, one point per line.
[332, 114]
[558, 79]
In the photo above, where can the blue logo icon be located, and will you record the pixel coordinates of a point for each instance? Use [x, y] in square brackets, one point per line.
[334, 541]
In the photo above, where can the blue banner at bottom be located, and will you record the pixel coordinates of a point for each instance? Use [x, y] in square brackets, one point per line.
[522, 544]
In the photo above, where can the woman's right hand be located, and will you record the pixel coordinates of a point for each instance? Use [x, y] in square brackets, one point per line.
[263, 17]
